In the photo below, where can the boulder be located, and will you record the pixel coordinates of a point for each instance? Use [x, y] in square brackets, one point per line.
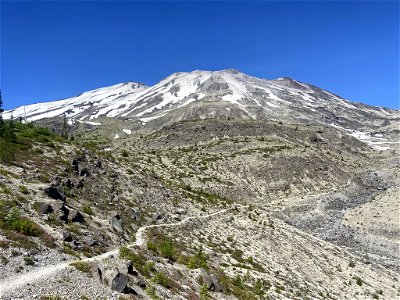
[91, 242]
[76, 217]
[55, 192]
[211, 281]
[76, 245]
[76, 162]
[181, 211]
[116, 222]
[141, 283]
[96, 271]
[98, 164]
[68, 183]
[131, 269]
[80, 184]
[118, 281]
[45, 208]
[135, 214]
[67, 237]
[159, 216]
[56, 181]
[83, 171]
[217, 286]
[129, 290]
[61, 210]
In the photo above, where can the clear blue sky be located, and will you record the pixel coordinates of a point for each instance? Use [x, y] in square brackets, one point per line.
[54, 50]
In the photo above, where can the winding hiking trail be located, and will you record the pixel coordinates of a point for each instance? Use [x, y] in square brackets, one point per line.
[38, 273]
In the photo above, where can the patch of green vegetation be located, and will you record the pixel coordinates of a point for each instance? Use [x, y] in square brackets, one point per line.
[163, 245]
[161, 279]
[151, 246]
[10, 219]
[5, 189]
[23, 189]
[17, 137]
[81, 266]
[152, 292]
[166, 249]
[87, 209]
[138, 260]
[68, 250]
[204, 293]
[238, 282]
[3, 260]
[51, 297]
[6, 173]
[74, 228]
[198, 260]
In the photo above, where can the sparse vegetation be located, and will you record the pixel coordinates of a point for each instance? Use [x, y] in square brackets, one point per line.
[23, 189]
[161, 279]
[87, 209]
[28, 261]
[81, 266]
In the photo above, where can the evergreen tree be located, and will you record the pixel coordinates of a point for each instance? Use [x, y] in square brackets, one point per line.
[1, 109]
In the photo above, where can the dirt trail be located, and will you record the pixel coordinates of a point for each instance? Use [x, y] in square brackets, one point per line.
[8, 284]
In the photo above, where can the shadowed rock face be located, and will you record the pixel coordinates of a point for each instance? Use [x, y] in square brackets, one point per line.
[55, 192]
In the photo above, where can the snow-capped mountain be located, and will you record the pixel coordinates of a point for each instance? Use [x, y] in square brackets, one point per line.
[205, 94]
[86, 104]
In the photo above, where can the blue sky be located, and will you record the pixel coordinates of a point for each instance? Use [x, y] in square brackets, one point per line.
[53, 50]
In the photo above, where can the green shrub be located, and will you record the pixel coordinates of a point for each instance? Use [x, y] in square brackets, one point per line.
[167, 250]
[238, 282]
[7, 151]
[204, 293]
[359, 281]
[23, 189]
[151, 246]
[26, 227]
[39, 150]
[198, 260]
[138, 261]
[151, 291]
[87, 209]
[81, 266]
[161, 279]
[259, 287]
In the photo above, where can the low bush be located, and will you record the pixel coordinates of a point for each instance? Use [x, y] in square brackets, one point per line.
[81, 266]
[161, 279]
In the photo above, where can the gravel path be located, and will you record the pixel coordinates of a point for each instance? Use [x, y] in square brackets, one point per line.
[11, 283]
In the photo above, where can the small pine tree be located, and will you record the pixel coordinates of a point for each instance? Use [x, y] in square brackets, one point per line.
[1, 109]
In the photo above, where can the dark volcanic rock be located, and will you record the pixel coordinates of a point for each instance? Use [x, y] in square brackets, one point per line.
[119, 282]
[67, 237]
[211, 281]
[55, 192]
[76, 216]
